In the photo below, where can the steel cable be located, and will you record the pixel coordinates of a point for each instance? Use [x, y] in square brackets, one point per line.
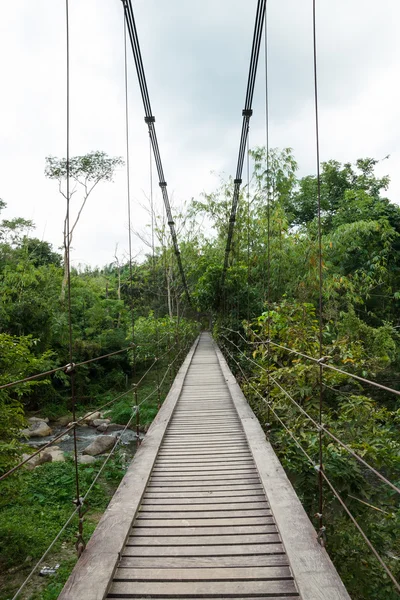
[317, 425]
[332, 488]
[150, 120]
[246, 113]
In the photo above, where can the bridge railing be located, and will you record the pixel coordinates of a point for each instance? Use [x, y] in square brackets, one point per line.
[174, 355]
[265, 398]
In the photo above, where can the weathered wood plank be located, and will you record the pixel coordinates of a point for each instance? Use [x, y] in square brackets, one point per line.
[148, 506]
[207, 495]
[203, 574]
[259, 550]
[183, 562]
[211, 489]
[203, 512]
[175, 588]
[204, 540]
[211, 521]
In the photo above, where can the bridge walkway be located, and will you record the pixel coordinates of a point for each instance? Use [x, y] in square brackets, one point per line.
[212, 514]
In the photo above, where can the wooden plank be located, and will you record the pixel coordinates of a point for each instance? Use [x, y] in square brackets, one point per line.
[171, 461]
[165, 562]
[201, 531]
[212, 588]
[203, 511]
[161, 504]
[206, 521]
[206, 496]
[250, 476]
[210, 550]
[194, 574]
[210, 489]
[204, 540]
[185, 471]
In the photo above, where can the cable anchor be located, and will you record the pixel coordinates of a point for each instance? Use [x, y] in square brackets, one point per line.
[323, 360]
[321, 536]
[69, 369]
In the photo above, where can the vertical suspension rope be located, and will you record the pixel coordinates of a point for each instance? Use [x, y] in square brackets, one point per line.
[80, 544]
[128, 201]
[153, 259]
[320, 281]
[268, 218]
[248, 221]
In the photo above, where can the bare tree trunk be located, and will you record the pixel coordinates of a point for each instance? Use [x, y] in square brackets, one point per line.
[119, 282]
[169, 295]
[66, 257]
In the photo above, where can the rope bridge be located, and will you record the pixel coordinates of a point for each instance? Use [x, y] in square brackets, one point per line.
[205, 509]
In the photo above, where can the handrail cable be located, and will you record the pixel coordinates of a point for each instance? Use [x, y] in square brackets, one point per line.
[150, 120]
[333, 489]
[75, 365]
[323, 362]
[246, 113]
[320, 426]
[79, 421]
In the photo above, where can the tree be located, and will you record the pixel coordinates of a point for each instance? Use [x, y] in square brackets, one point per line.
[86, 172]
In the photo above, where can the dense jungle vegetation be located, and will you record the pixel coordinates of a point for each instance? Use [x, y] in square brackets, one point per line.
[271, 285]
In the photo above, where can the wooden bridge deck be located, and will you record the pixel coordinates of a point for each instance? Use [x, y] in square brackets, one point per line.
[206, 511]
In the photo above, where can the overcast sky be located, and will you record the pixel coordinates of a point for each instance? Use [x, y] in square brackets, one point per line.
[196, 55]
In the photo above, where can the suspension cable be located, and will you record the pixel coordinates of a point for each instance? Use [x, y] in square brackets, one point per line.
[320, 282]
[80, 544]
[128, 189]
[248, 224]
[246, 113]
[268, 207]
[150, 121]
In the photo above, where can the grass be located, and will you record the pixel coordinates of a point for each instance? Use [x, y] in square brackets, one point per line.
[34, 506]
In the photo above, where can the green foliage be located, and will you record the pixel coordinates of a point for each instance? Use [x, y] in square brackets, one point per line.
[17, 360]
[92, 167]
[37, 504]
[350, 413]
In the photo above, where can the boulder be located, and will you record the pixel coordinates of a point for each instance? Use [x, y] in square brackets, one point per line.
[98, 422]
[37, 429]
[101, 444]
[63, 421]
[38, 420]
[86, 460]
[89, 417]
[37, 460]
[115, 427]
[102, 428]
[56, 455]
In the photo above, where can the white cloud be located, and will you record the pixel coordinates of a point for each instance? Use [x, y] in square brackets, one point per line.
[196, 59]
